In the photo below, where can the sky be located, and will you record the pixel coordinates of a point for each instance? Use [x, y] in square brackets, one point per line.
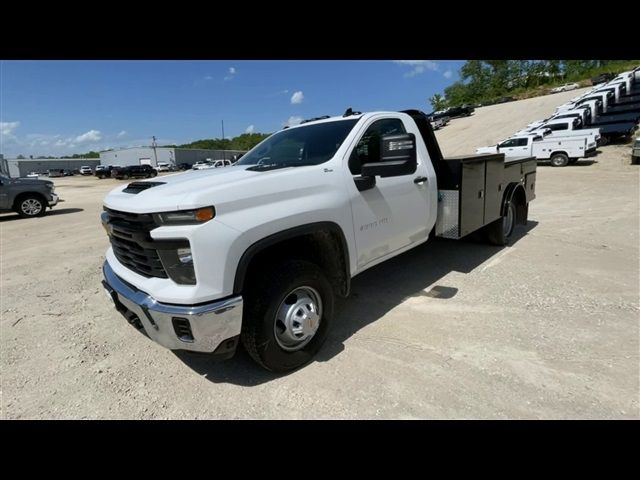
[66, 107]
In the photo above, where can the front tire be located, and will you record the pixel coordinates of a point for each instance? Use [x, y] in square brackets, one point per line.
[287, 315]
[559, 160]
[31, 206]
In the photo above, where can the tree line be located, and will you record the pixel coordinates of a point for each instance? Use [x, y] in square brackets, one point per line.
[484, 81]
[244, 142]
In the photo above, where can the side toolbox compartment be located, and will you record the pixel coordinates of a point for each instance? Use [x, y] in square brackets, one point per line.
[471, 190]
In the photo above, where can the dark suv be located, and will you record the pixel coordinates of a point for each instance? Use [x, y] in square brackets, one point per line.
[603, 77]
[133, 171]
[452, 112]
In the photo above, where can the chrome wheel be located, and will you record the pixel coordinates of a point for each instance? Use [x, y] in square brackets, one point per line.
[31, 207]
[508, 220]
[298, 318]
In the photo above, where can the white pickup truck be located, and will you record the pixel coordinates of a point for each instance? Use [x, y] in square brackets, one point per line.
[559, 151]
[565, 127]
[256, 252]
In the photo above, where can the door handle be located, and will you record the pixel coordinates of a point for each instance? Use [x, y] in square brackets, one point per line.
[420, 180]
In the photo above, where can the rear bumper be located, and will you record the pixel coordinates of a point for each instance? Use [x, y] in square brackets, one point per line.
[211, 327]
[590, 152]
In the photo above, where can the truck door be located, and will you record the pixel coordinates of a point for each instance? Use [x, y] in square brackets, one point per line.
[514, 147]
[394, 213]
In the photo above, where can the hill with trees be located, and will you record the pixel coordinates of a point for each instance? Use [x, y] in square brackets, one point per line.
[484, 81]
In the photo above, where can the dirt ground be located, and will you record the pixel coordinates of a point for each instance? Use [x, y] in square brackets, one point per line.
[545, 328]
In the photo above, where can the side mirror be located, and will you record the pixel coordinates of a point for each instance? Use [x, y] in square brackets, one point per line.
[398, 157]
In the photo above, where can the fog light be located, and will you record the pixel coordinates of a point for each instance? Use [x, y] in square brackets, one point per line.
[184, 255]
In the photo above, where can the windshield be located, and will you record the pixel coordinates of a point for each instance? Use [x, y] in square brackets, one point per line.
[308, 145]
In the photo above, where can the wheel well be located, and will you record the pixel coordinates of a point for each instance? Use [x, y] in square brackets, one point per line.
[516, 193]
[522, 208]
[324, 246]
[22, 195]
[559, 152]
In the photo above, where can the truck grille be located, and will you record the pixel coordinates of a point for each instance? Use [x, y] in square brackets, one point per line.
[132, 244]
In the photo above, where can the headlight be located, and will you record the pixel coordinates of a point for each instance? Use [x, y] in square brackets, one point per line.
[185, 217]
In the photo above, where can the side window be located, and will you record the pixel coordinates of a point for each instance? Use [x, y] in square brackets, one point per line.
[559, 126]
[508, 143]
[522, 142]
[368, 148]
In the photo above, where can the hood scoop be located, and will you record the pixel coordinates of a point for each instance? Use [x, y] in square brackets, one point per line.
[137, 187]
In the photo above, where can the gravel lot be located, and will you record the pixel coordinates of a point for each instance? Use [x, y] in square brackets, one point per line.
[545, 328]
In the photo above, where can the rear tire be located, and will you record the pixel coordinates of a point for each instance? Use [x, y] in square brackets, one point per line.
[559, 160]
[287, 315]
[30, 206]
[604, 141]
[499, 231]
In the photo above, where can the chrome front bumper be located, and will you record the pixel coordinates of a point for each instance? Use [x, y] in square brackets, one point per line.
[54, 200]
[200, 328]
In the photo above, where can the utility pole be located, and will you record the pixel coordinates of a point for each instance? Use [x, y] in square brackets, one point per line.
[153, 145]
[224, 156]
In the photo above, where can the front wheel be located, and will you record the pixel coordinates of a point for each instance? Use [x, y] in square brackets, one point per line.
[31, 206]
[287, 315]
[559, 160]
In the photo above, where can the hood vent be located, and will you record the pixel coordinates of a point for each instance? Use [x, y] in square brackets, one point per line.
[137, 187]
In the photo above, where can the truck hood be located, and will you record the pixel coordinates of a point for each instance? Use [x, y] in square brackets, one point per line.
[29, 181]
[217, 187]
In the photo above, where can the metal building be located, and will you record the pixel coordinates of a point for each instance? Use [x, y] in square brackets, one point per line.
[153, 156]
[21, 167]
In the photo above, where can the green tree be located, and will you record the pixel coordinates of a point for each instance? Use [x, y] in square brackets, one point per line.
[438, 102]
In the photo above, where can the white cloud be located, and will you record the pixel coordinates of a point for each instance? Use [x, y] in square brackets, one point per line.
[89, 137]
[297, 97]
[293, 121]
[250, 129]
[208, 77]
[447, 74]
[121, 134]
[232, 73]
[7, 128]
[417, 66]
